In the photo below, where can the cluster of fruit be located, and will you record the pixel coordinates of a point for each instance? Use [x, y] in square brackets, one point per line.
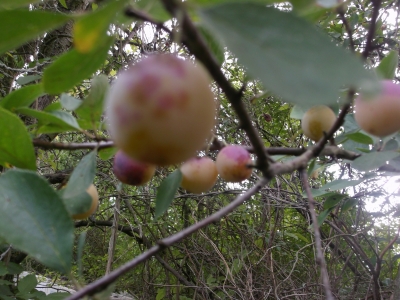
[376, 113]
[160, 112]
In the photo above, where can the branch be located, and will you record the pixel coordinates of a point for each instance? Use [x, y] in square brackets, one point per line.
[103, 282]
[72, 146]
[320, 255]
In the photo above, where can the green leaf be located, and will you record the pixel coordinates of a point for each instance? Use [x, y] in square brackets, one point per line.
[333, 199]
[213, 44]
[154, 8]
[289, 55]
[34, 220]
[3, 269]
[14, 268]
[340, 184]
[74, 195]
[22, 97]
[28, 79]
[24, 25]
[9, 4]
[166, 192]
[373, 160]
[57, 296]
[73, 67]
[91, 110]
[361, 138]
[323, 215]
[62, 2]
[27, 284]
[91, 29]
[298, 112]
[15, 143]
[215, 2]
[62, 120]
[107, 153]
[69, 102]
[348, 204]
[388, 65]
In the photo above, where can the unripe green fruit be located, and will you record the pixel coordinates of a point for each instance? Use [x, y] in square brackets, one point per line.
[379, 116]
[317, 120]
[131, 171]
[233, 163]
[199, 174]
[92, 191]
[161, 110]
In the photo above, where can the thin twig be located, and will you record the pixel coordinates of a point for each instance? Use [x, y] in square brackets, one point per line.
[103, 282]
[320, 255]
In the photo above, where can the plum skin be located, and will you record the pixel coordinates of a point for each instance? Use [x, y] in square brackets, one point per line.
[233, 163]
[379, 116]
[199, 174]
[161, 110]
[317, 120]
[131, 171]
[92, 191]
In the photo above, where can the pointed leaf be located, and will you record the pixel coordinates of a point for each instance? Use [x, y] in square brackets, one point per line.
[333, 199]
[23, 25]
[289, 55]
[373, 160]
[28, 79]
[388, 65]
[323, 215]
[73, 67]
[22, 97]
[166, 192]
[34, 219]
[62, 120]
[15, 143]
[361, 138]
[349, 203]
[340, 184]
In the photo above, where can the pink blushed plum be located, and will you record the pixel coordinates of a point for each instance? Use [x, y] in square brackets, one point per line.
[161, 110]
[379, 116]
[233, 163]
[199, 174]
[131, 171]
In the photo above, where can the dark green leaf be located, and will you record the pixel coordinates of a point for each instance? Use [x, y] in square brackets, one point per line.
[288, 54]
[333, 199]
[349, 203]
[15, 143]
[361, 138]
[373, 160]
[22, 97]
[69, 103]
[34, 219]
[27, 284]
[323, 215]
[74, 195]
[166, 192]
[298, 112]
[73, 67]
[3, 269]
[14, 268]
[34, 23]
[91, 110]
[388, 65]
